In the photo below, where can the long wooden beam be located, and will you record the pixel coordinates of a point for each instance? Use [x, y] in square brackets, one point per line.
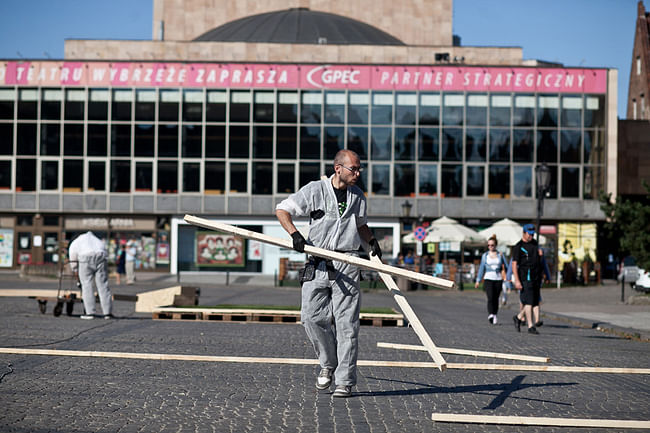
[415, 323]
[320, 252]
[542, 421]
[465, 352]
[300, 361]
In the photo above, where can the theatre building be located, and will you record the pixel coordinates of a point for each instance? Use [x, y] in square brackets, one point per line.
[234, 105]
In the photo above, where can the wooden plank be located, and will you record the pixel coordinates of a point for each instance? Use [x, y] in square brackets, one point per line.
[320, 252]
[466, 352]
[38, 293]
[541, 421]
[300, 361]
[422, 334]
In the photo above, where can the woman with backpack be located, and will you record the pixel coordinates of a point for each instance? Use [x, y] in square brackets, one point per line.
[492, 270]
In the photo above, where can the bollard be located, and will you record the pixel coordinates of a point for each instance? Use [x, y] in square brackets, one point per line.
[623, 288]
[227, 278]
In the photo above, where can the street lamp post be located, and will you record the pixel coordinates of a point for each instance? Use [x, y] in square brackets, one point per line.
[543, 180]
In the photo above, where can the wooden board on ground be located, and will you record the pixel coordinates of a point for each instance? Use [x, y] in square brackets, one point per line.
[38, 293]
[422, 333]
[541, 421]
[320, 252]
[176, 295]
[465, 352]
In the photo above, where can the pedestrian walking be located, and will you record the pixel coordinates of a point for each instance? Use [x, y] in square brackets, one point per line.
[121, 264]
[331, 296]
[88, 259]
[492, 271]
[131, 252]
[526, 270]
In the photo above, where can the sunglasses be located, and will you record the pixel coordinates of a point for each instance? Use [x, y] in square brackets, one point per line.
[353, 169]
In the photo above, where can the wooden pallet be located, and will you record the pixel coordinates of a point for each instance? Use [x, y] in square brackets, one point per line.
[261, 316]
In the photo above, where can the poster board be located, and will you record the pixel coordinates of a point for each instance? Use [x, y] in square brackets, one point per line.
[215, 249]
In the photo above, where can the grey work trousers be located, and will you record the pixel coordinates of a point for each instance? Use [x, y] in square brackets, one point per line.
[325, 301]
[94, 268]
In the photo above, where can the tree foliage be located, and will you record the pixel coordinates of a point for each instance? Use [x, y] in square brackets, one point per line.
[629, 222]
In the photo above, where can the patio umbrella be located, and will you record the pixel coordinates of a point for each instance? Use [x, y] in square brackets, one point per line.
[508, 232]
[445, 229]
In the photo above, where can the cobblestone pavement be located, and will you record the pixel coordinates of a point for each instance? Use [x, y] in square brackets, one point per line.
[64, 394]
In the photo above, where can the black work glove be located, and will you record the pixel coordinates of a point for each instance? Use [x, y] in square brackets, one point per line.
[317, 214]
[298, 241]
[374, 247]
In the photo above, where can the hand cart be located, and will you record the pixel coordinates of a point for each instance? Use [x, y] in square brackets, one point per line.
[67, 296]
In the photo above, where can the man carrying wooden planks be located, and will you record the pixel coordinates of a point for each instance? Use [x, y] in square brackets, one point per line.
[330, 290]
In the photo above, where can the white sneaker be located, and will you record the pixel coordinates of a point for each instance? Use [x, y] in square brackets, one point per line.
[87, 316]
[324, 379]
[494, 319]
[342, 391]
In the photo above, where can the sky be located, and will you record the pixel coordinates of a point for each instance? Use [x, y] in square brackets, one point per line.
[589, 33]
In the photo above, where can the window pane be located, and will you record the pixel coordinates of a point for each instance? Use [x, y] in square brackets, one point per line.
[143, 176]
[286, 142]
[594, 182]
[262, 178]
[73, 139]
[570, 182]
[500, 106]
[358, 140]
[120, 176]
[570, 148]
[215, 177]
[144, 140]
[25, 175]
[263, 107]
[6, 139]
[310, 142]
[168, 140]
[215, 107]
[429, 109]
[452, 180]
[168, 105]
[404, 178]
[191, 176]
[358, 107]
[51, 104]
[98, 139]
[75, 101]
[552, 189]
[73, 175]
[49, 175]
[405, 104]
[215, 141]
[286, 178]
[475, 144]
[167, 177]
[452, 144]
[145, 104]
[522, 149]
[429, 144]
[308, 171]
[499, 145]
[428, 183]
[7, 97]
[287, 107]
[121, 106]
[27, 103]
[50, 139]
[523, 181]
[594, 147]
[404, 144]
[382, 108]
[96, 176]
[98, 104]
[571, 111]
[238, 177]
[475, 180]
[334, 141]
[192, 105]
[381, 179]
[238, 142]
[546, 146]
[477, 109]
[523, 113]
[262, 142]
[452, 112]
[380, 143]
[547, 107]
[594, 111]
[499, 181]
[311, 107]
[334, 107]
[5, 174]
[26, 139]
[191, 141]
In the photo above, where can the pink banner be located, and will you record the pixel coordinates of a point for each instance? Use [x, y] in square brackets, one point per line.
[292, 76]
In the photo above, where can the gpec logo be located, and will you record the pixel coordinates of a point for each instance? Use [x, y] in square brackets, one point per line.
[321, 77]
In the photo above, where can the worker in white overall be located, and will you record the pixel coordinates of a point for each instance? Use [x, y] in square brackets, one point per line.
[330, 289]
[88, 257]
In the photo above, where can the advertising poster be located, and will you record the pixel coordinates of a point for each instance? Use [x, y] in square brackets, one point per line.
[576, 243]
[254, 250]
[214, 249]
[162, 249]
[6, 248]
